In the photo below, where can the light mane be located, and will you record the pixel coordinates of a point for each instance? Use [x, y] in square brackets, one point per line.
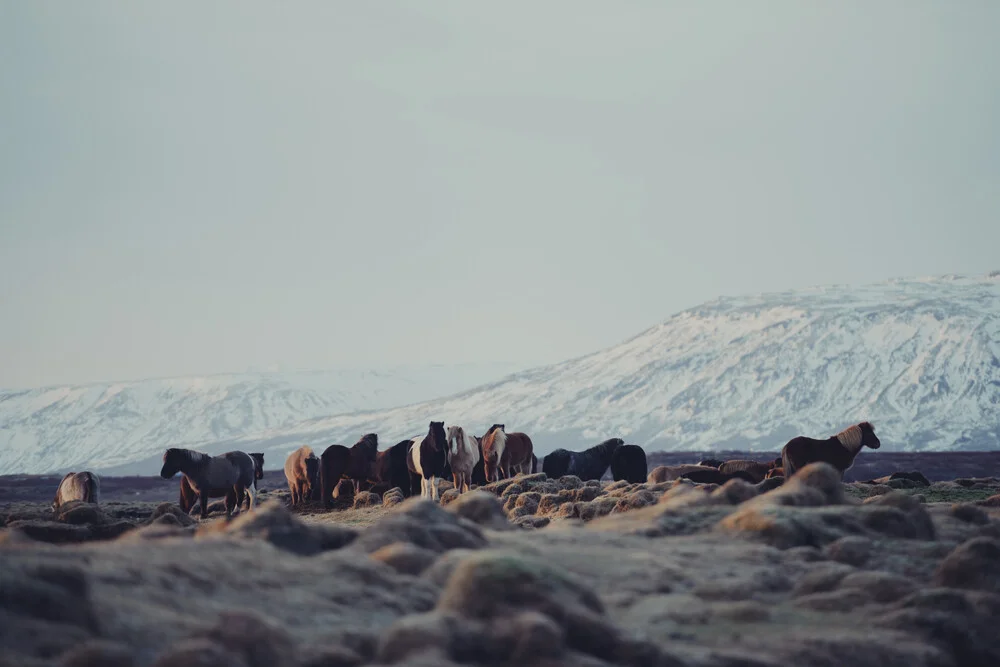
[499, 443]
[851, 438]
[456, 434]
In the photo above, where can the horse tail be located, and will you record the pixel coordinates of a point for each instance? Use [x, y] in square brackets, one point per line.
[93, 488]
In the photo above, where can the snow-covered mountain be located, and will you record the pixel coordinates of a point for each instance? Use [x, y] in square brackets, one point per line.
[104, 426]
[920, 358]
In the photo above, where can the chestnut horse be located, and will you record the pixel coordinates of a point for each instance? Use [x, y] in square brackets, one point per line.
[504, 452]
[839, 450]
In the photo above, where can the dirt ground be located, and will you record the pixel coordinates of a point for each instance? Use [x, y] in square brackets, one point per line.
[529, 571]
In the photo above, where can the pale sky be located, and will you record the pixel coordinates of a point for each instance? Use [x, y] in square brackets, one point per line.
[191, 188]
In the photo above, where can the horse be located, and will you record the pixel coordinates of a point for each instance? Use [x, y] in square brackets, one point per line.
[302, 473]
[189, 496]
[332, 464]
[669, 473]
[84, 486]
[629, 463]
[507, 453]
[426, 460]
[355, 464]
[479, 470]
[362, 460]
[714, 463]
[391, 469]
[839, 450]
[776, 471]
[588, 464]
[235, 470]
[756, 469]
[463, 455]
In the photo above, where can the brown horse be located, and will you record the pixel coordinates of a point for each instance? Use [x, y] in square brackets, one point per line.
[839, 450]
[504, 452]
[669, 473]
[84, 486]
[426, 460]
[302, 473]
[756, 469]
[232, 470]
[356, 464]
[390, 468]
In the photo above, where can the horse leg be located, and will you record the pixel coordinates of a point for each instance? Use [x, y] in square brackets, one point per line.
[203, 500]
[434, 487]
[457, 477]
[252, 492]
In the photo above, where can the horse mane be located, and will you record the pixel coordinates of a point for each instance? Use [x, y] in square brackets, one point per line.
[606, 448]
[499, 443]
[456, 434]
[369, 441]
[851, 437]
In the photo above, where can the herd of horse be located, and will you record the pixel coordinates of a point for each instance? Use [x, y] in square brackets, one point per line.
[422, 462]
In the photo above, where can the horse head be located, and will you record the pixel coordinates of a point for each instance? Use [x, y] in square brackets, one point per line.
[258, 464]
[437, 435]
[868, 437]
[173, 459]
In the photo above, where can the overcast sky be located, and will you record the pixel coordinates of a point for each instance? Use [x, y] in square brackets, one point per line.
[191, 188]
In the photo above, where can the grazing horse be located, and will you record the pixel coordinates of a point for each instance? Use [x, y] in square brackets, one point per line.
[669, 473]
[362, 460]
[629, 463]
[189, 496]
[390, 467]
[588, 464]
[756, 469]
[426, 459]
[463, 455]
[839, 450]
[506, 453]
[84, 486]
[232, 470]
[302, 473]
[332, 464]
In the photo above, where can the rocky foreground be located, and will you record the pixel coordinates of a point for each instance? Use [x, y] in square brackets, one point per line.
[528, 571]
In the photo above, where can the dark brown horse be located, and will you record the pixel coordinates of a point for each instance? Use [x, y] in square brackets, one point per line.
[839, 450]
[426, 459]
[507, 453]
[355, 464]
[390, 468]
[232, 470]
[629, 464]
[189, 496]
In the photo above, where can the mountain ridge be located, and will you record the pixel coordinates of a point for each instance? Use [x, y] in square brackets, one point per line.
[918, 356]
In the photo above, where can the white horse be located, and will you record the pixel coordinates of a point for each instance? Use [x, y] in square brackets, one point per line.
[463, 455]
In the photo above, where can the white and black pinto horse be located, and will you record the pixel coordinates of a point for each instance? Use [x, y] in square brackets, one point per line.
[426, 460]
[235, 470]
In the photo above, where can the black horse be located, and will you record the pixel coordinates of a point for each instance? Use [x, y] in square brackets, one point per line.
[629, 463]
[589, 464]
